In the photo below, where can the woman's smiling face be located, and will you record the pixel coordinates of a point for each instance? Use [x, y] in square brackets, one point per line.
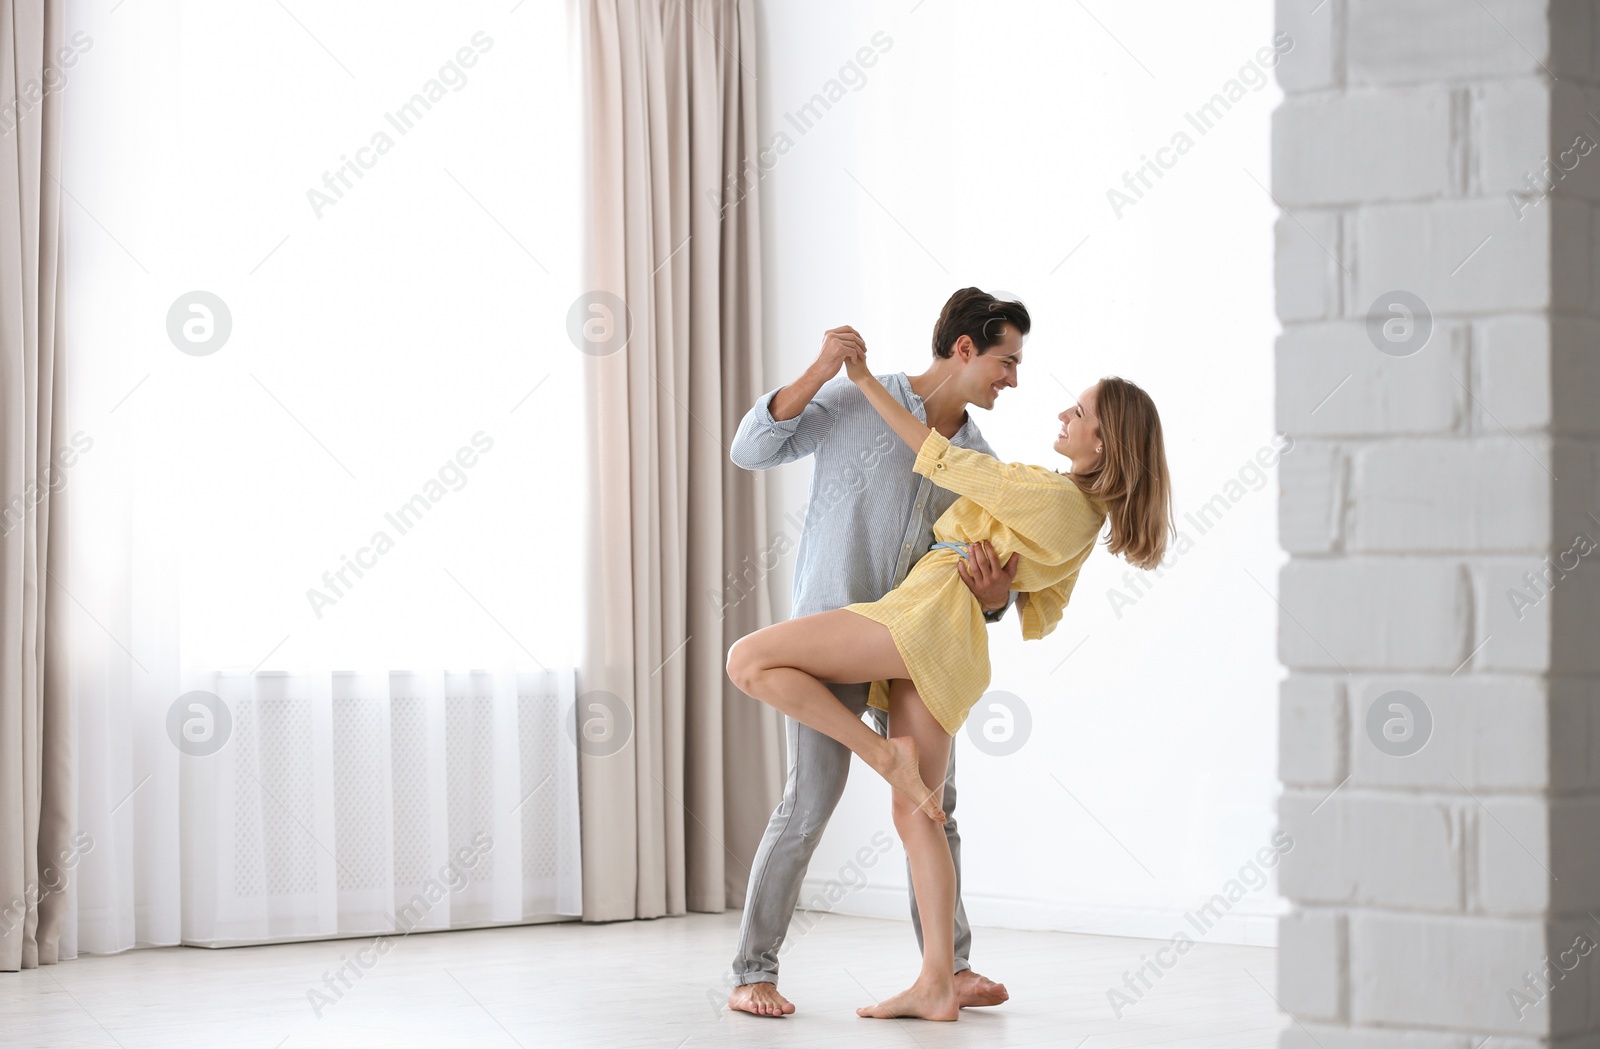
[1080, 431]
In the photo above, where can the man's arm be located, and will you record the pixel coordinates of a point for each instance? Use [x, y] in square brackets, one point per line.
[999, 613]
[988, 579]
[791, 422]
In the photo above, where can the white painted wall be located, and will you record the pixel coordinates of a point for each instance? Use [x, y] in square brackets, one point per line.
[979, 148]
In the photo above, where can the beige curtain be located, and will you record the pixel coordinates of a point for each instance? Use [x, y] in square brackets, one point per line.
[36, 775]
[671, 820]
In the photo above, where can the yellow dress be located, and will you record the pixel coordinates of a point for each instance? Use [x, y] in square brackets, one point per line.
[936, 622]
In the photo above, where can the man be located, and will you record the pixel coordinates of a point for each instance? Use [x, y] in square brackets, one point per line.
[869, 518]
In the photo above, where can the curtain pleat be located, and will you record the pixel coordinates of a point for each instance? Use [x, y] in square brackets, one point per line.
[36, 782]
[672, 819]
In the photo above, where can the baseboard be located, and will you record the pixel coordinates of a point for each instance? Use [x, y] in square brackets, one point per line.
[395, 934]
[1252, 922]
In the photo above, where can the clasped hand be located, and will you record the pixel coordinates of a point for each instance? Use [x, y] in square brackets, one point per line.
[989, 580]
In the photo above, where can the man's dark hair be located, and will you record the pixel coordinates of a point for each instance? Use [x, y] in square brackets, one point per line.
[980, 316]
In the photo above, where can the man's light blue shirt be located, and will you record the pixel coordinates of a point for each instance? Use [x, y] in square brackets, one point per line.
[869, 516]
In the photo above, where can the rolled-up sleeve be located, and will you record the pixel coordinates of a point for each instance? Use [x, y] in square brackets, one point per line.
[1043, 610]
[763, 442]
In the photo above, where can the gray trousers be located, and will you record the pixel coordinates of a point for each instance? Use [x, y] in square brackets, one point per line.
[818, 767]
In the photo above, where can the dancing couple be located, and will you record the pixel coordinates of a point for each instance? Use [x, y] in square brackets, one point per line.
[911, 545]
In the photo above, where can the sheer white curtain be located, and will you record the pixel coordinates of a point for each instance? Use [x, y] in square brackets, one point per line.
[318, 271]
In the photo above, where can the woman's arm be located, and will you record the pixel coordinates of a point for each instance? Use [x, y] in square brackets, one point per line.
[1042, 509]
[897, 415]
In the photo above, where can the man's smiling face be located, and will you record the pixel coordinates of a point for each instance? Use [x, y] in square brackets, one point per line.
[988, 373]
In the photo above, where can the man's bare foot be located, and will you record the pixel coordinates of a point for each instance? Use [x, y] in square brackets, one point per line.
[759, 999]
[920, 1000]
[904, 774]
[973, 990]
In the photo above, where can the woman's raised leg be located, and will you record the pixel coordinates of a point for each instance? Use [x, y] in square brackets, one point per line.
[785, 665]
[933, 872]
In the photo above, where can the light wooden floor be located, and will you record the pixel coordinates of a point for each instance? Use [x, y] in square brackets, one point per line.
[648, 983]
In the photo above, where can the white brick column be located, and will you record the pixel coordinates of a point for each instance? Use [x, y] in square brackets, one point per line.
[1437, 163]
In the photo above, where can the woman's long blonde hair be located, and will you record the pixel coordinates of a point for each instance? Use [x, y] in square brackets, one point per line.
[1131, 478]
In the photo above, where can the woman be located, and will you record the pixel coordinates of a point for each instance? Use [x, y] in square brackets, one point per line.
[924, 645]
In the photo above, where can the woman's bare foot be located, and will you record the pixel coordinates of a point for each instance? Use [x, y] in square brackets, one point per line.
[920, 1000]
[759, 999]
[975, 990]
[905, 775]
